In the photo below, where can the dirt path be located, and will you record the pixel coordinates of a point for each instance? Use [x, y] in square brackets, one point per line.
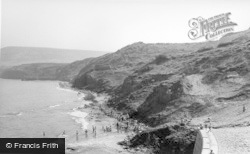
[233, 140]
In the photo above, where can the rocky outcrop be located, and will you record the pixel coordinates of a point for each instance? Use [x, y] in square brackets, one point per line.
[167, 139]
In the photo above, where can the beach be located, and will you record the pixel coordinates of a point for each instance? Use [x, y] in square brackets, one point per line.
[97, 141]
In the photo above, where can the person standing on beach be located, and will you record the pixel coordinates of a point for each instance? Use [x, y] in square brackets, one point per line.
[95, 133]
[107, 129]
[117, 127]
[201, 126]
[77, 135]
[86, 133]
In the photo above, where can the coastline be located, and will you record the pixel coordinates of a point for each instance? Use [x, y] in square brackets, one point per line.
[137, 138]
[91, 114]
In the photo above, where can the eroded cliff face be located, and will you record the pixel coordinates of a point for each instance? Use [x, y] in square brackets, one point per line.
[161, 83]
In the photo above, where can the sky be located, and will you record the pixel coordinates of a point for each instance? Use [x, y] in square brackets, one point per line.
[108, 25]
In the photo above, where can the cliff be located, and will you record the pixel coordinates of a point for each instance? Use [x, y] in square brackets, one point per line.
[164, 83]
[159, 83]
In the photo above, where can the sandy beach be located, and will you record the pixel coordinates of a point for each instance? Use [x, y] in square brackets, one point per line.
[99, 142]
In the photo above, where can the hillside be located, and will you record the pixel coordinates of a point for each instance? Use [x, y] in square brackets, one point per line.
[45, 71]
[11, 56]
[159, 83]
[166, 86]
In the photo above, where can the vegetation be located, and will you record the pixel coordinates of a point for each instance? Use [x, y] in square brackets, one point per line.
[89, 97]
[160, 59]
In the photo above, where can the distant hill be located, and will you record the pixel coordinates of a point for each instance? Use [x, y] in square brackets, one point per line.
[44, 71]
[12, 56]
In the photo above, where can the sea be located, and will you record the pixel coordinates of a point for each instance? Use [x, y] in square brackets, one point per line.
[32, 109]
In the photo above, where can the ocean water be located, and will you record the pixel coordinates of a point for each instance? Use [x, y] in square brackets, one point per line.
[29, 108]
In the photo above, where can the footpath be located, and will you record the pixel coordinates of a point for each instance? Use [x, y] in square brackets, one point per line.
[205, 143]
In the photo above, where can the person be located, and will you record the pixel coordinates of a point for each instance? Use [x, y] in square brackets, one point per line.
[43, 134]
[244, 108]
[103, 129]
[95, 133]
[117, 127]
[86, 133]
[126, 129]
[211, 152]
[63, 132]
[201, 126]
[107, 129]
[210, 127]
[205, 125]
[77, 135]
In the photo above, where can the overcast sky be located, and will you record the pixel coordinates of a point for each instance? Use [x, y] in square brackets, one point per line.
[108, 25]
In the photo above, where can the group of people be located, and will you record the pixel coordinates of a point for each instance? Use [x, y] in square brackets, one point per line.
[107, 129]
[122, 125]
[207, 124]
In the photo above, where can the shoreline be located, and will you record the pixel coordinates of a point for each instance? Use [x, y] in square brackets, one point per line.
[99, 115]
[89, 115]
